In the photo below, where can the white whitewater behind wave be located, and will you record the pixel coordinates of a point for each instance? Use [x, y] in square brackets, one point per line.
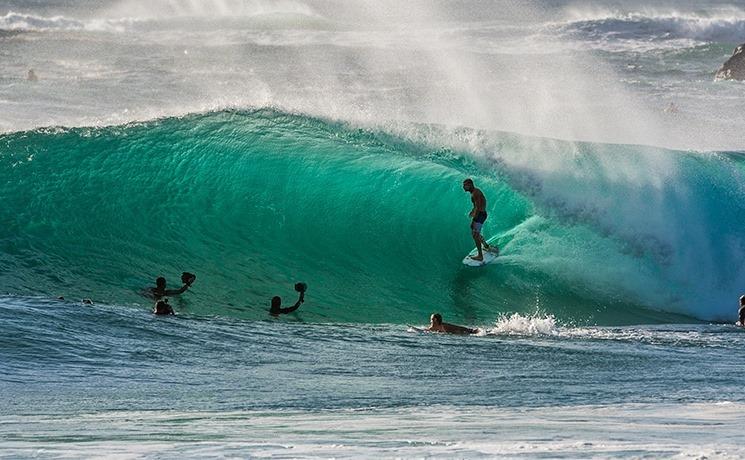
[726, 26]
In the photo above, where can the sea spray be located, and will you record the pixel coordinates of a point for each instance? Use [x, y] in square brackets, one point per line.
[517, 324]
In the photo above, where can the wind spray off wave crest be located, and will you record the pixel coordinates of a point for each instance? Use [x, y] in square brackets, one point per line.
[507, 67]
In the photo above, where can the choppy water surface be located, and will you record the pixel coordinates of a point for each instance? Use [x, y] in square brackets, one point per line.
[86, 378]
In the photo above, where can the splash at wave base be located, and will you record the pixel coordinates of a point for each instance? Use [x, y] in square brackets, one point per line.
[374, 220]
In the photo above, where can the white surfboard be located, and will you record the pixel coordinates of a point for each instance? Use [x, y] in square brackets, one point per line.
[489, 257]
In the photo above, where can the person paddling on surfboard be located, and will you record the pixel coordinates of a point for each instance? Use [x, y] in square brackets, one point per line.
[436, 325]
[478, 216]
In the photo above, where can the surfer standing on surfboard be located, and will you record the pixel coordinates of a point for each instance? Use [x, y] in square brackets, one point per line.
[478, 214]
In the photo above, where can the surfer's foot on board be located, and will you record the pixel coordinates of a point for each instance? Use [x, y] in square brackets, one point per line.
[477, 257]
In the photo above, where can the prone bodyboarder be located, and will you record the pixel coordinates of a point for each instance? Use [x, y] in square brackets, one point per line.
[436, 325]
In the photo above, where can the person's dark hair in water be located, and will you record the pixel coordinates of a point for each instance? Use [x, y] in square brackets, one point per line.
[741, 312]
[276, 305]
[436, 318]
[162, 307]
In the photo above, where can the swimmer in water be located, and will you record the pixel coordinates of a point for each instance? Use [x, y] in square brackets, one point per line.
[276, 305]
[162, 307]
[160, 291]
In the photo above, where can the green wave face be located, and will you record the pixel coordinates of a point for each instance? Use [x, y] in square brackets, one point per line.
[376, 224]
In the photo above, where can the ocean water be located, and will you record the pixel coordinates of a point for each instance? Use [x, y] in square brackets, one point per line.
[258, 144]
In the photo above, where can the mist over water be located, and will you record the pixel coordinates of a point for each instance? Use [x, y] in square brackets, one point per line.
[538, 69]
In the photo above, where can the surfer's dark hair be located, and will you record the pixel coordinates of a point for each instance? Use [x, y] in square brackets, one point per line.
[160, 280]
[437, 317]
[742, 300]
[468, 181]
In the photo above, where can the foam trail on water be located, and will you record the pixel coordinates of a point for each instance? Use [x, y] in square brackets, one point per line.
[517, 324]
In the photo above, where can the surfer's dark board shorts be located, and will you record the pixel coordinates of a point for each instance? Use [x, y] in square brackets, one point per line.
[478, 221]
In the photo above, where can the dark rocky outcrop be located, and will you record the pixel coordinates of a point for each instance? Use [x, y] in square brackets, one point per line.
[734, 68]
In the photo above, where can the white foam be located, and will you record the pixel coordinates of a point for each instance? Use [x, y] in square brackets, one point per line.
[29, 22]
[661, 31]
[639, 430]
[517, 324]
[209, 8]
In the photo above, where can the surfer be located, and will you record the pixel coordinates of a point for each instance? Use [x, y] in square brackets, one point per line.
[276, 308]
[436, 325]
[162, 307]
[160, 291]
[478, 216]
[742, 310]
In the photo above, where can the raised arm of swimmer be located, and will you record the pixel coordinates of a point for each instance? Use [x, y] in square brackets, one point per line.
[276, 306]
[160, 290]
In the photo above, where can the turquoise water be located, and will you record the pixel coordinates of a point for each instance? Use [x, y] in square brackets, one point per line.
[374, 223]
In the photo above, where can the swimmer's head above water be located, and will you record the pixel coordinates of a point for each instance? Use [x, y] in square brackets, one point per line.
[162, 307]
[435, 319]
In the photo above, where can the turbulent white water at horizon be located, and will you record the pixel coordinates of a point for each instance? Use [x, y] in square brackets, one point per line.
[605, 72]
